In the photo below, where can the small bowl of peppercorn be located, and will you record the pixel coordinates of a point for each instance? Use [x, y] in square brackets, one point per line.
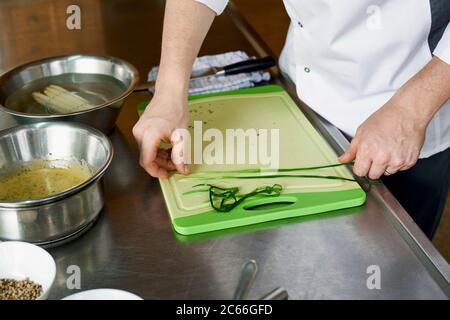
[27, 272]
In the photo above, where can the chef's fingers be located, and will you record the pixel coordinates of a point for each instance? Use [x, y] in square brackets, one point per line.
[179, 140]
[363, 161]
[389, 171]
[149, 151]
[165, 162]
[378, 167]
[350, 154]
[394, 166]
[406, 167]
[164, 153]
[410, 161]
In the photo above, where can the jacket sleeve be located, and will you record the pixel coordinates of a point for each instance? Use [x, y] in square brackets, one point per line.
[442, 50]
[216, 5]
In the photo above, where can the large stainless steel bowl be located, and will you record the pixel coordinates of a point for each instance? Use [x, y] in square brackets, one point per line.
[104, 81]
[50, 219]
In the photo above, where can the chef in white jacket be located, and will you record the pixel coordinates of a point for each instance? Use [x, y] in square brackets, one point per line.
[378, 70]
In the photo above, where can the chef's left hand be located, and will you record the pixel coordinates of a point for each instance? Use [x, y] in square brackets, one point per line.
[390, 140]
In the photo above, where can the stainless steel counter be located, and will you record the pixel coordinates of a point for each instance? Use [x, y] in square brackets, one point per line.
[133, 247]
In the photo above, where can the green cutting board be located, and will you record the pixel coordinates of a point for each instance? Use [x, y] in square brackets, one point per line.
[266, 107]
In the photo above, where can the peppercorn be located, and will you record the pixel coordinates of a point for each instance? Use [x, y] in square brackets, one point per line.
[19, 289]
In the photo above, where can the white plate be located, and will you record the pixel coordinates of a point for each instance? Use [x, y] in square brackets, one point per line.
[103, 294]
[21, 260]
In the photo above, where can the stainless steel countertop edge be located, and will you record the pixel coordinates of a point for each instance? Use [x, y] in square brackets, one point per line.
[398, 216]
[417, 241]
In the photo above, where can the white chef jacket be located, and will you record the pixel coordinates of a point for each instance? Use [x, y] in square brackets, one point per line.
[348, 57]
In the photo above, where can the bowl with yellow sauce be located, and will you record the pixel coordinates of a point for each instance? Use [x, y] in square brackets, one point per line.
[50, 180]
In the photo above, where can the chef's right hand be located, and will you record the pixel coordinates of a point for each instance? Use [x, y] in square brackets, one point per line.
[164, 120]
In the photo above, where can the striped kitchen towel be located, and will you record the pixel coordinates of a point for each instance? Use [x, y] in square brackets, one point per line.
[218, 83]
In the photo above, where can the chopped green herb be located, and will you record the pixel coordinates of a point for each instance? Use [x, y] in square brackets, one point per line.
[226, 199]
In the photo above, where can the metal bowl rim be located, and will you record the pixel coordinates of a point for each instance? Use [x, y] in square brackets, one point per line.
[69, 192]
[126, 93]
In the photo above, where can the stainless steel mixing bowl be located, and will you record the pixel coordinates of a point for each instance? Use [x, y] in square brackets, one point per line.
[50, 219]
[104, 81]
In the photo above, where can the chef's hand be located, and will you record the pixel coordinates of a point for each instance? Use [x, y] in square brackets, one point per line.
[388, 141]
[162, 120]
[185, 26]
[391, 139]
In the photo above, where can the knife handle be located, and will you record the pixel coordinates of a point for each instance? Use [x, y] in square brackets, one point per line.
[249, 66]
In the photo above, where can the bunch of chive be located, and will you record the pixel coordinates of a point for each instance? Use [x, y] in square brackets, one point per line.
[225, 199]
